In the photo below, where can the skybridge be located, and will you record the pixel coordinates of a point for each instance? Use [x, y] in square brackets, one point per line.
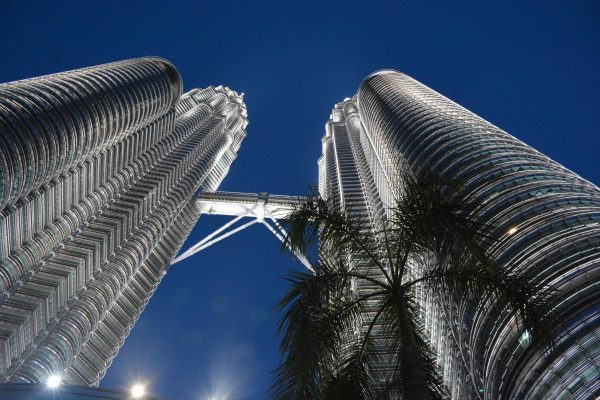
[246, 209]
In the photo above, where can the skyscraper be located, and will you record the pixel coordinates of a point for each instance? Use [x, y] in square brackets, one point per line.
[98, 167]
[546, 219]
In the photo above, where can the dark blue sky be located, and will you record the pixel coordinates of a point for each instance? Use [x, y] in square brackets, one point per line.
[532, 69]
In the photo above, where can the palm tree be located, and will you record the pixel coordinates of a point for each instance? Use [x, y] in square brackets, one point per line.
[431, 227]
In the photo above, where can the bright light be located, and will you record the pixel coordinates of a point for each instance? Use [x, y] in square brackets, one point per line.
[54, 381]
[512, 230]
[525, 339]
[138, 391]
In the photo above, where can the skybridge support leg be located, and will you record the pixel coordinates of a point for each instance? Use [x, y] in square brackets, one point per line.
[280, 234]
[206, 242]
[275, 228]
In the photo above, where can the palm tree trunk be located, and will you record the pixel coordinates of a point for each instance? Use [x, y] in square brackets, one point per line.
[412, 368]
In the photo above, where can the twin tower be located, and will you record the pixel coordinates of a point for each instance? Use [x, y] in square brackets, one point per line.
[100, 168]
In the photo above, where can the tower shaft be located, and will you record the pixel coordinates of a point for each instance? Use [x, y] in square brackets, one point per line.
[104, 163]
[545, 219]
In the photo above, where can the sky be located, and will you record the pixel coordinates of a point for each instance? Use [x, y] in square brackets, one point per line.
[208, 333]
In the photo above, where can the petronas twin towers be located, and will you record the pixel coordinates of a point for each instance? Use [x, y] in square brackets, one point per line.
[99, 168]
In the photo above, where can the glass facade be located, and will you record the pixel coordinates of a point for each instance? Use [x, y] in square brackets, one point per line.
[98, 170]
[544, 216]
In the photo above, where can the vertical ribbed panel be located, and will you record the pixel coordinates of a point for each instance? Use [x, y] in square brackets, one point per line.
[556, 214]
[347, 182]
[85, 249]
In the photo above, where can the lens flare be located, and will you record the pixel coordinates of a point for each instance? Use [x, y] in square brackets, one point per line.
[137, 391]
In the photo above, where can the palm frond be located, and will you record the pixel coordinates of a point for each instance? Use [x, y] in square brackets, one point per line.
[435, 212]
[441, 219]
[308, 337]
[316, 222]
[316, 312]
[352, 380]
[486, 285]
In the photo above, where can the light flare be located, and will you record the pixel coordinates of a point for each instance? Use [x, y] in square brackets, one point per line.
[54, 381]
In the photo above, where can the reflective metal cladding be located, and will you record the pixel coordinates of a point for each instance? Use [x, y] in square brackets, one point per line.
[98, 167]
[546, 219]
